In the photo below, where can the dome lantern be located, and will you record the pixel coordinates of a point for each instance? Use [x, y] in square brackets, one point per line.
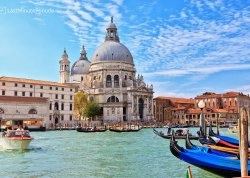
[112, 34]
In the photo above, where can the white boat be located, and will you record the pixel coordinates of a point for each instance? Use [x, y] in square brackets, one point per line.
[233, 128]
[16, 139]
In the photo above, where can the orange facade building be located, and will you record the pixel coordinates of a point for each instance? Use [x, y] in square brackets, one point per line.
[221, 108]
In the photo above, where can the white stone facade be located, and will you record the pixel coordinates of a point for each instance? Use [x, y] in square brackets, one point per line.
[110, 80]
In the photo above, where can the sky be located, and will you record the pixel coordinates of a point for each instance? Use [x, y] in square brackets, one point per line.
[182, 47]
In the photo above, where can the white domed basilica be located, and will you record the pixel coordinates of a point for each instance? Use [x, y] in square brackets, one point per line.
[110, 80]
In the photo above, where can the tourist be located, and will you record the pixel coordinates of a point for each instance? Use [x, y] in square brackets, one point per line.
[20, 127]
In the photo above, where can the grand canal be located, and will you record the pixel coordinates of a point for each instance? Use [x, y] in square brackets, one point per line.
[96, 155]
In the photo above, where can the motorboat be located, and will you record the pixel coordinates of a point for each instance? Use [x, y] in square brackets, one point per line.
[16, 139]
[90, 129]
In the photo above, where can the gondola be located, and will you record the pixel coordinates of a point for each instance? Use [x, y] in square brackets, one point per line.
[177, 136]
[221, 152]
[219, 165]
[124, 129]
[88, 129]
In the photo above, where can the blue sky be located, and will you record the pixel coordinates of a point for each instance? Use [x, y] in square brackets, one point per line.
[183, 48]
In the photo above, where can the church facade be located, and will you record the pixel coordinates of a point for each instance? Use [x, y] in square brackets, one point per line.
[109, 79]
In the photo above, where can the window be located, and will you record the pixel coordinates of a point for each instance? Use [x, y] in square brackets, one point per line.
[116, 81]
[15, 84]
[23, 85]
[56, 106]
[112, 99]
[50, 88]
[3, 83]
[1, 111]
[23, 93]
[62, 106]
[15, 93]
[31, 94]
[56, 88]
[62, 97]
[70, 117]
[108, 81]
[3, 92]
[32, 111]
[31, 86]
[71, 89]
[70, 97]
[41, 87]
[62, 117]
[70, 106]
[50, 106]
[41, 94]
[56, 96]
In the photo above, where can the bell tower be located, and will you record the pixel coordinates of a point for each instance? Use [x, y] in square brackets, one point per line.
[64, 68]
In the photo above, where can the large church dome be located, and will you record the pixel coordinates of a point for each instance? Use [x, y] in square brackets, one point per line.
[82, 65]
[112, 49]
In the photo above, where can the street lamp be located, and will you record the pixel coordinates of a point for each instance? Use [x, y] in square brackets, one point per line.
[201, 105]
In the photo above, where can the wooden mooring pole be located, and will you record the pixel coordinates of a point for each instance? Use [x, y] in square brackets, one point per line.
[243, 136]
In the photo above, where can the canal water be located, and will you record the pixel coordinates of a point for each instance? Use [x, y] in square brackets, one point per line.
[96, 155]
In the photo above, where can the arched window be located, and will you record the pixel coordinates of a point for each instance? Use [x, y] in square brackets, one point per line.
[62, 106]
[1, 111]
[116, 81]
[108, 81]
[56, 107]
[32, 111]
[112, 99]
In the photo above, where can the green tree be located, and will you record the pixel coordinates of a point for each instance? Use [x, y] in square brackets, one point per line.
[80, 103]
[92, 110]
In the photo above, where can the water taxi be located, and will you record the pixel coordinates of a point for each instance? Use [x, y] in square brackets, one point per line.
[16, 139]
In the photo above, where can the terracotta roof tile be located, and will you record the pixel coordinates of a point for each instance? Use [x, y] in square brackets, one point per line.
[176, 100]
[31, 81]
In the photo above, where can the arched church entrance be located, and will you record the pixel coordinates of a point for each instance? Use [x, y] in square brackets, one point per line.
[140, 106]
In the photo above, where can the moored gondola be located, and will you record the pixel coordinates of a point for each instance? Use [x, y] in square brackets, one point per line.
[191, 146]
[220, 165]
[177, 136]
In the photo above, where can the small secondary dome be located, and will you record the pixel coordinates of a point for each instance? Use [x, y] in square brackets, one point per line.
[82, 65]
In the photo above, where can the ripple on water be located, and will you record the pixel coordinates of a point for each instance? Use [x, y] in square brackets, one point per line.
[97, 155]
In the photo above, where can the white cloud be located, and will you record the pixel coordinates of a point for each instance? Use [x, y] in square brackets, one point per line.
[202, 38]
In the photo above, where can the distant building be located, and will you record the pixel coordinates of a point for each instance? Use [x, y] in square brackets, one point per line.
[223, 108]
[28, 99]
[109, 79]
[172, 110]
